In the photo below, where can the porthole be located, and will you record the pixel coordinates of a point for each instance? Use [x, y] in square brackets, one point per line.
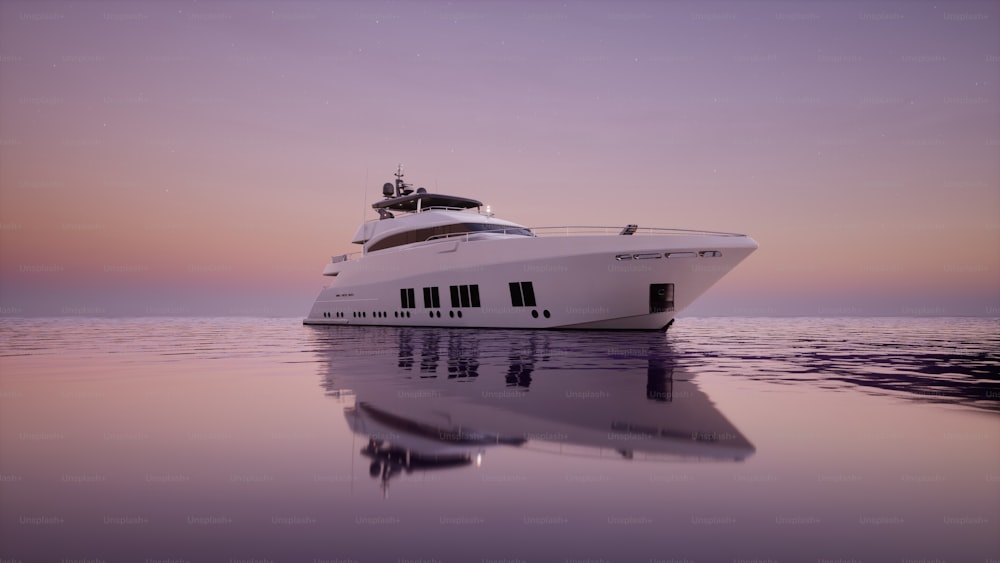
[460, 314]
[534, 313]
[546, 313]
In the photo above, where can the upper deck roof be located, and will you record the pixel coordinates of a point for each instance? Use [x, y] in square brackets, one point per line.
[399, 196]
[422, 200]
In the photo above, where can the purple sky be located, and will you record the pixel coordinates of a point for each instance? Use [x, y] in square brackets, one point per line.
[208, 157]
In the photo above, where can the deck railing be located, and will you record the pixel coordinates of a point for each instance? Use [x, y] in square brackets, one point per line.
[574, 230]
[581, 230]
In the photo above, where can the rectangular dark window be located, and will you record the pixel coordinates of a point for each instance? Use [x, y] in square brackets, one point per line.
[432, 299]
[461, 295]
[407, 299]
[529, 294]
[515, 294]
[661, 297]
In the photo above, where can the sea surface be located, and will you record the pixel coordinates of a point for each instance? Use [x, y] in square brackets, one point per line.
[724, 439]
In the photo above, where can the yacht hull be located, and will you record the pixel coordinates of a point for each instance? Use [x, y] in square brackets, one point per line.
[601, 282]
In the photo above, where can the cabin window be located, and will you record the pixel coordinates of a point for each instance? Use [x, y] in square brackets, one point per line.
[522, 294]
[420, 235]
[432, 299]
[406, 298]
[516, 299]
[464, 296]
[529, 294]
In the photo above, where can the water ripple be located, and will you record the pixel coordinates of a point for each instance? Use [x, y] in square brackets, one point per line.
[941, 360]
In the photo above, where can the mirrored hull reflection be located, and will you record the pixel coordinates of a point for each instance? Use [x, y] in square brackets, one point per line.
[446, 397]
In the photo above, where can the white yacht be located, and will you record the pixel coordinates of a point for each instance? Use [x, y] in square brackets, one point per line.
[445, 261]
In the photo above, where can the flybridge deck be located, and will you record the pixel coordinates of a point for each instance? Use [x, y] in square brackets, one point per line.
[400, 196]
[414, 203]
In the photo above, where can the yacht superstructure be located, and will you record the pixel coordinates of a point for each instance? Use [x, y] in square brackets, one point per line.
[441, 260]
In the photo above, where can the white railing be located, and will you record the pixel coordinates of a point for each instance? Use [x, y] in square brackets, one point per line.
[576, 230]
[579, 230]
[510, 231]
[442, 208]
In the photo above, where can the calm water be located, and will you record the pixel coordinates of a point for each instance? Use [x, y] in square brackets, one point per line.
[721, 440]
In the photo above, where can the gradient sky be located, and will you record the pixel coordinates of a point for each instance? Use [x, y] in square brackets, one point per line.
[191, 158]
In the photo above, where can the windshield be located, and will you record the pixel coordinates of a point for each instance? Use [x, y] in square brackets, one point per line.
[441, 231]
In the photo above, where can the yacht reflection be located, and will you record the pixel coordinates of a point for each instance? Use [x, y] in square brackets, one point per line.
[397, 444]
[452, 394]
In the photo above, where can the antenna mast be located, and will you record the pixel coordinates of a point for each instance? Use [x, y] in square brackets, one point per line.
[364, 192]
[400, 185]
